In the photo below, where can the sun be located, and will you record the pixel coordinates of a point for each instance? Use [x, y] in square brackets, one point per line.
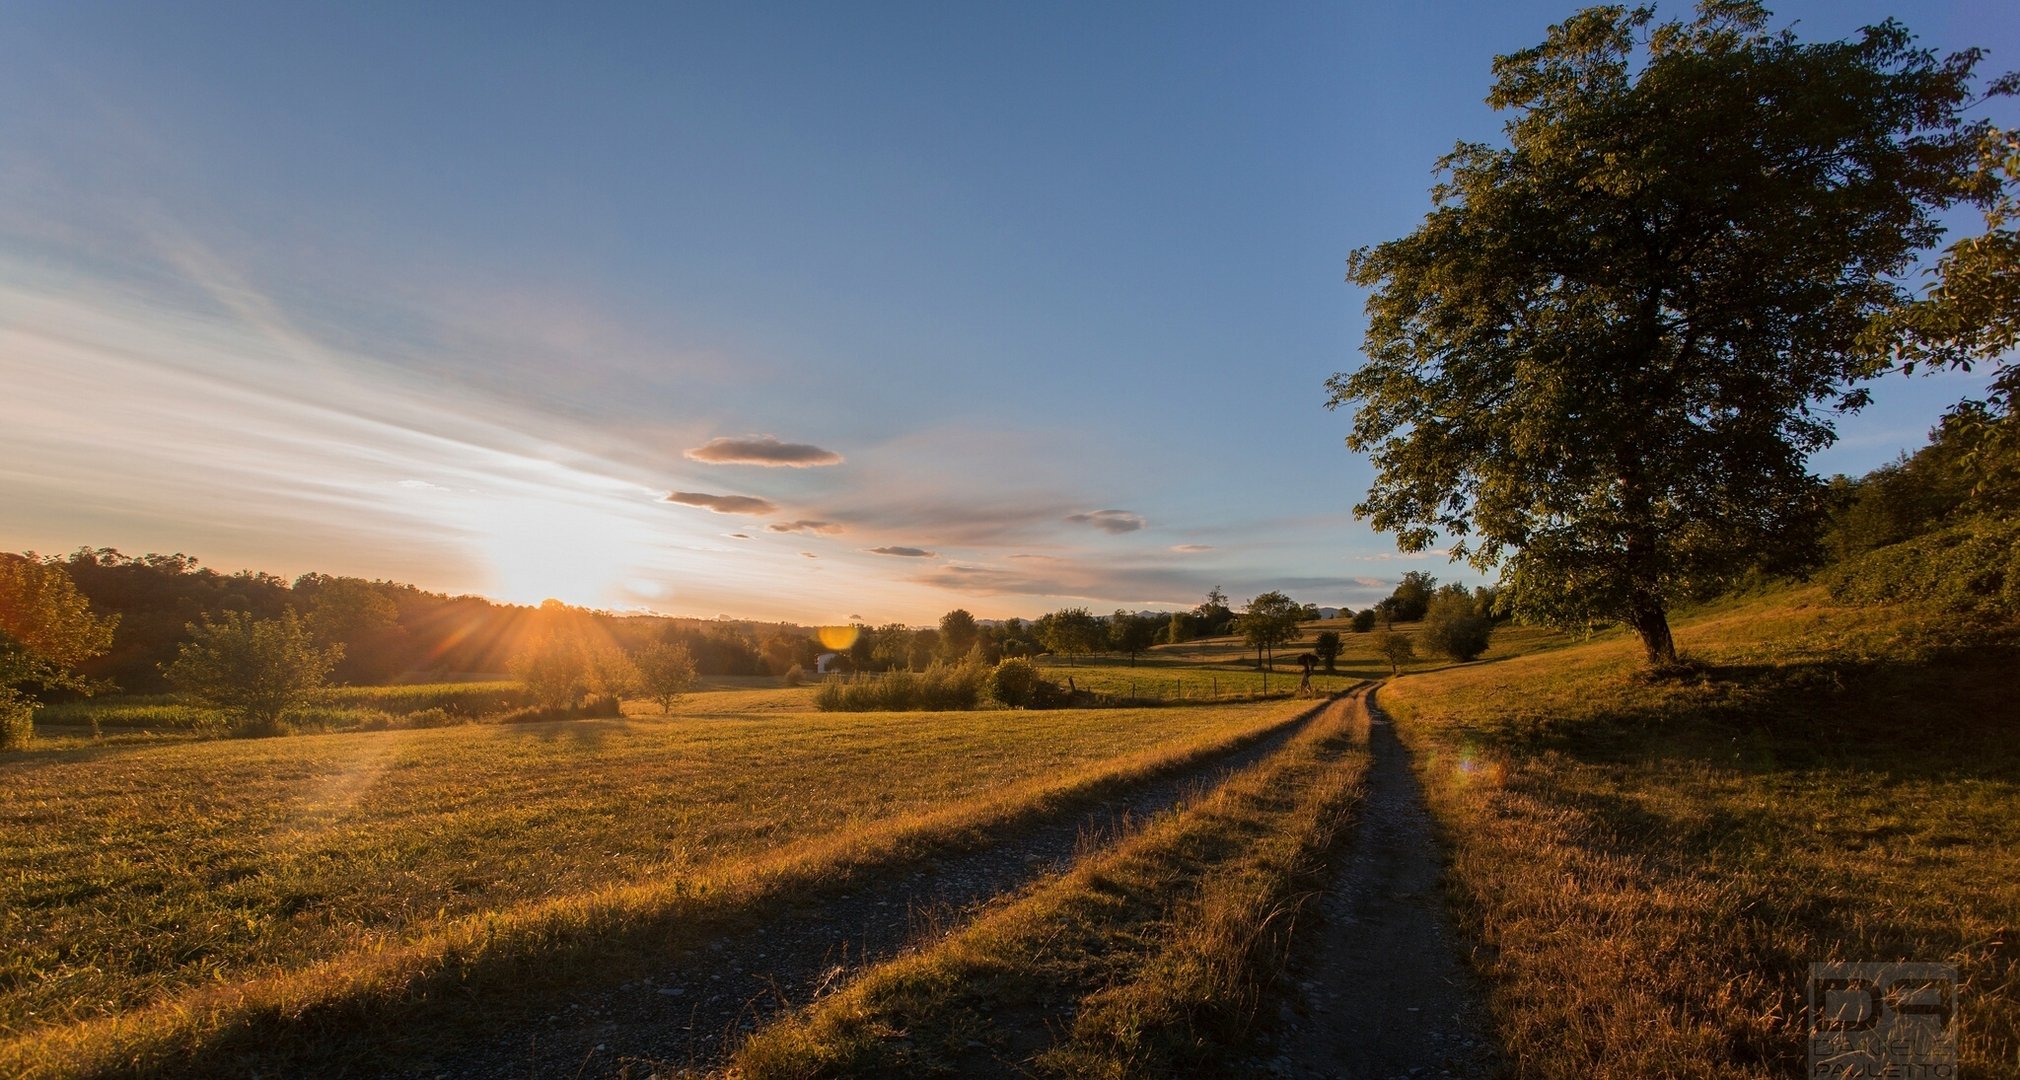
[535, 549]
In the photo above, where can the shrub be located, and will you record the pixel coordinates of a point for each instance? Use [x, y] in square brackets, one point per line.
[1364, 621]
[940, 688]
[796, 676]
[1454, 627]
[1013, 682]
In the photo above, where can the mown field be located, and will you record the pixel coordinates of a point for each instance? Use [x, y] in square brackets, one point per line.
[164, 894]
[1648, 867]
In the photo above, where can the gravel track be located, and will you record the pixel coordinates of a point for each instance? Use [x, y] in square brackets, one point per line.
[686, 1015]
[1377, 989]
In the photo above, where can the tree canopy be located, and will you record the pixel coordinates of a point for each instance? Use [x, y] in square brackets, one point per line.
[1269, 621]
[1601, 362]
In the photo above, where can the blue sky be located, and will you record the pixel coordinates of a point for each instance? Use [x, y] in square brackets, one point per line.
[449, 293]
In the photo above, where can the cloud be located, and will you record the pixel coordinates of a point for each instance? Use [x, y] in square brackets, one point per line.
[809, 554]
[905, 552]
[824, 528]
[421, 485]
[1191, 549]
[723, 504]
[739, 536]
[764, 450]
[1041, 558]
[1113, 522]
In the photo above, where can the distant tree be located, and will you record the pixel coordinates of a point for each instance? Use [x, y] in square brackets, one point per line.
[1271, 620]
[1412, 597]
[1072, 632]
[1213, 617]
[555, 672]
[958, 634]
[1130, 634]
[1364, 621]
[893, 647]
[863, 650]
[1454, 627]
[925, 647]
[664, 673]
[1395, 648]
[1327, 647]
[1178, 629]
[361, 617]
[255, 671]
[1604, 358]
[46, 630]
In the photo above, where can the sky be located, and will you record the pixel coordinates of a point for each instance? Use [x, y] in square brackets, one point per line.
[816, 312]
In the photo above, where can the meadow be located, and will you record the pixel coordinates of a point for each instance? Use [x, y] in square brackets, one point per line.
[1647, 867]
[163, 894]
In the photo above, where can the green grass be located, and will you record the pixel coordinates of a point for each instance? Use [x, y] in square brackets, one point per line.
[1649, 867]
[182, 894]
[1144, 960]
[338, 708]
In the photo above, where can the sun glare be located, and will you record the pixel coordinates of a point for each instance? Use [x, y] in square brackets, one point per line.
[536, 549]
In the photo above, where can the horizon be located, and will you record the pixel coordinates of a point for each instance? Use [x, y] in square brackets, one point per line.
[800, 317]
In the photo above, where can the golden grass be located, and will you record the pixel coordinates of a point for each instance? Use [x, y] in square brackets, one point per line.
[1155, 949]
[1649, 867]
[168, 907]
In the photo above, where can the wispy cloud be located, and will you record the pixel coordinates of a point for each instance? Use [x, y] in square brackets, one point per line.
[1113, 522]
[1191, 549]
[723, 504]
[824, 528]
[904, 552]
[764, 450]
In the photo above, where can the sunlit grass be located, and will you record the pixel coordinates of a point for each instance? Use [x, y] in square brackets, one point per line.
[172, 892]
[1651, 866]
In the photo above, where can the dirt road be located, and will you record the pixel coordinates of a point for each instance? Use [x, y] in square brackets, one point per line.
[1376, 989]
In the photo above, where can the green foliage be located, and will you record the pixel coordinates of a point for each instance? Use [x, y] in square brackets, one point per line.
[1411, 599]
[1071, 632]
[1604, 357]
[940, 688]
[555, 672]
[1328, 646]
[1395, 648]
[958, 634]
[1454, 626]
[1364, 621]
[255, 671]
[1970, 569]
[46, 630]
[1021, 685]
[1271, 620]
[1129, 634]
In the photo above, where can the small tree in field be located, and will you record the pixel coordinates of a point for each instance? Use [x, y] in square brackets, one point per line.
[1395, 648]
[664, 673]
[1271, 620]
[1364, 621]
[1072, 632]
[255, 671]
[1129, 634]
[556, 673]
[1327, 647]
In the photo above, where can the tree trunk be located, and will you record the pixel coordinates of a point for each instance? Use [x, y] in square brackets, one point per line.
[1649, 620]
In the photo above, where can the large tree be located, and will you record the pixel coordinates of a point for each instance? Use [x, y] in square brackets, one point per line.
[1602, 361]
[1270, 620]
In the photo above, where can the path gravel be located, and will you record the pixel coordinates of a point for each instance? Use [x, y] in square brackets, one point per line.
[685, 1015]
[1378, 989]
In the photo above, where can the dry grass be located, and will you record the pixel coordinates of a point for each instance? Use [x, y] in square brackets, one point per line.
[1144, 960]
[175, 904]
[1649, 867]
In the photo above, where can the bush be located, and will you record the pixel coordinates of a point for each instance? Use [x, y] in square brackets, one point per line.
[796, 676]
[1364, 621]
[255, 671]
[1013, 682]
[1452, 626]
[940, 688]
